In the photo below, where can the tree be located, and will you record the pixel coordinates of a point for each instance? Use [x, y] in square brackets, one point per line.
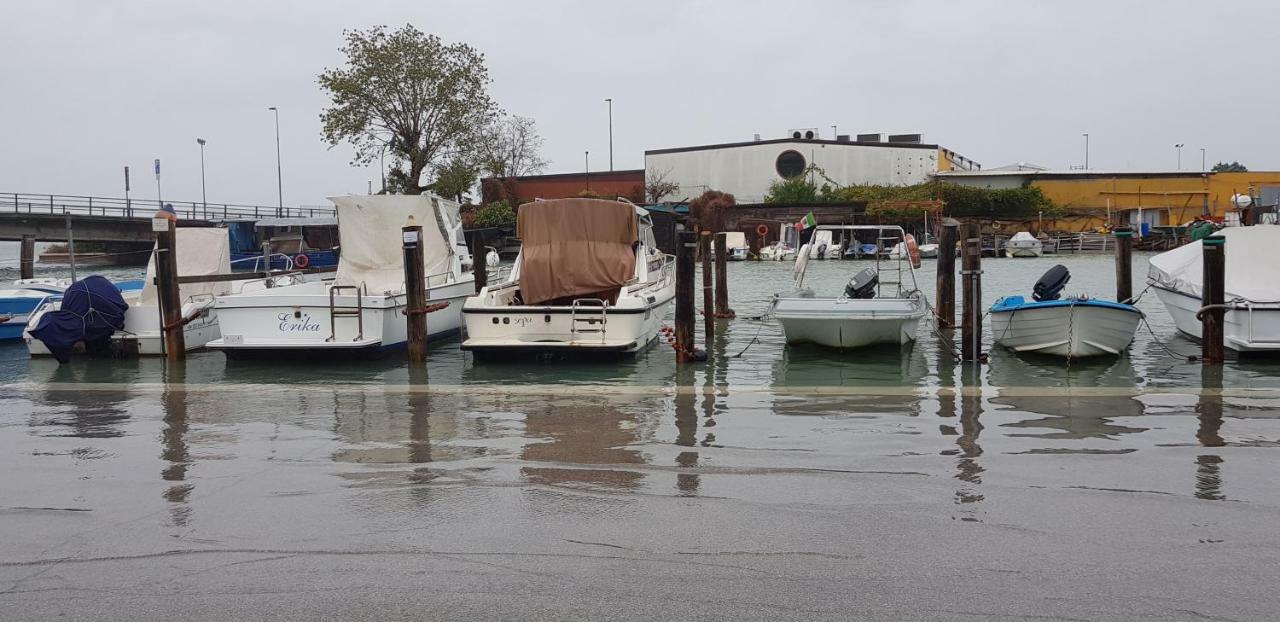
[1233, 167]
[408, 91]
[656, 186]
[454, 177]
[509, 148]
[711, 209]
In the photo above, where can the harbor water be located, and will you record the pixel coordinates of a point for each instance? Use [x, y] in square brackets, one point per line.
[772, 482]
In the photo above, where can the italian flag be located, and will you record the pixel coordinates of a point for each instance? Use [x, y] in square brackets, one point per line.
[806, 222]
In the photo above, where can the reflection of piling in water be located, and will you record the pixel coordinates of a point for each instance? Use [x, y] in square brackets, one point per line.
[583, 434]
[686, 417]
[970, 429]
[1208, 481]
[173, 439]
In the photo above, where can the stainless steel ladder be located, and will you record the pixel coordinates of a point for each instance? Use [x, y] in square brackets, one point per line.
[336, 311]
[884, 246]
[591, 321]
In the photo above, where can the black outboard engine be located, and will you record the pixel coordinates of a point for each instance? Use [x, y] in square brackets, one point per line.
[863, 284]
[1049, 287]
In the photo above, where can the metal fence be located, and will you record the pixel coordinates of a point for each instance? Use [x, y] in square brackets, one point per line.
[17, 202]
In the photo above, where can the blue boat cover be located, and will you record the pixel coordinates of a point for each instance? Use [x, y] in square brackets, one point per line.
[1018, 303]
[92, 309]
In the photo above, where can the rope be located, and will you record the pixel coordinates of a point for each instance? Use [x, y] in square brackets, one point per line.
[1156, 340]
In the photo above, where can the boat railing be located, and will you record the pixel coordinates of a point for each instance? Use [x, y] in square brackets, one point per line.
[448, 277]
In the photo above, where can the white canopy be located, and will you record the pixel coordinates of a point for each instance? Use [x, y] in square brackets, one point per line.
[1252, 265]
[201, 251]
[735, 239]
[371, 242]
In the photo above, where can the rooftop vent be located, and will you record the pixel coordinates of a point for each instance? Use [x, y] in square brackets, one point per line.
[868, 138]
[842, 138]
[905, 138]
[804, 134]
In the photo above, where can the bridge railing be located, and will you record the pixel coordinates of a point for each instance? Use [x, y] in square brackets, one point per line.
[17, 202]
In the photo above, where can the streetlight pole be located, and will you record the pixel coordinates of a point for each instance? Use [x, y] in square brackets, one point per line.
[586, 157]
[279, 173]
[835, 134]
[1179, 148]
[610, 101]
[1086, 151]
[382, 165]
[1202, 169]
[204, 197]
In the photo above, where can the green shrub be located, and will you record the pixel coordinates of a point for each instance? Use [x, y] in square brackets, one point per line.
[496, 214]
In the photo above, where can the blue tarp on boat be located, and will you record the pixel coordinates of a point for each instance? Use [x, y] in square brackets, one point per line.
[92, 309]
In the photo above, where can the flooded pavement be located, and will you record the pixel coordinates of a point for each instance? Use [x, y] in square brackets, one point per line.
[779, 484]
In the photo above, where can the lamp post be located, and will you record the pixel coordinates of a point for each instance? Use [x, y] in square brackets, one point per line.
[279, 174]
[204, 197]
[1179, 148]
[586, 157]
[382, 166]
[1086, 151]
[835, 134]
[1202, 168]
[609, 100]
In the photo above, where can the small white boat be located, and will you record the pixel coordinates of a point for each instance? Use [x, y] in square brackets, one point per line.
[20, 300]
[822, 245]
[1252, 323]
[360, 312]
[877, 306]
[736, 243]
[1073, 327]
[1023, 244]
[785, 248]
[608, 296]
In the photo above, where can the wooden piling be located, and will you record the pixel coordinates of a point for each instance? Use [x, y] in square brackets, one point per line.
[480, 264]
[708, 298]
[71, 247]
[175, 342]
[755, 244]
[1214, 259]
[27, 257]
[685, 249]
[971, 323]
[946, 293]
[722, 277]
[266, 256]
[1124, 264]
[416, 293]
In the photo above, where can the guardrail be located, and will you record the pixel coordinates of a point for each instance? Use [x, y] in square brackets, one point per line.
[22, 203]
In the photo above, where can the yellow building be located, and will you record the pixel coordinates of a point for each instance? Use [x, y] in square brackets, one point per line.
[1093, 199]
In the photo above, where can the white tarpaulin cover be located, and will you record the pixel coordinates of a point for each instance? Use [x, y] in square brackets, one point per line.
[201, 251]
[1023, 236]
[1252, 262]
[735, 239]
[372, 245]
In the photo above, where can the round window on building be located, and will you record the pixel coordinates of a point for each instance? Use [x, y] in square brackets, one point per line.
[790, 164]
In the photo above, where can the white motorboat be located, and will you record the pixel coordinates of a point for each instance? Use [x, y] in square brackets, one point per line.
[361, 311]
[20, 300]
[1023, 244]
[785, 248]
[877, 307]
[1073, 327]
[736, 242]
[589, 280]
[822, 245]
[1252, 290]
[200, 252]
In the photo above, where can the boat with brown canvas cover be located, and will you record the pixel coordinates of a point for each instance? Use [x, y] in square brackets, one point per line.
[589, 279]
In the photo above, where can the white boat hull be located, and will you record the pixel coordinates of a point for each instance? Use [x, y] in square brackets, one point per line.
[141, 335]
[295, 321]
[1069, 331]
[1244, 330]
[1027, 250]
[849, 323]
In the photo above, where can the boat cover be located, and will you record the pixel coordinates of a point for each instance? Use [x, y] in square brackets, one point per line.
[735, 239]
[575, 247]
[1024, 237]
[372, 243]
[202, 251]
[91, 310]
[1251, 264]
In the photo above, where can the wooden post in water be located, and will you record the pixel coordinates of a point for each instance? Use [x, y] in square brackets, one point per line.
[971, 323]
[27, 257]
[1124, 264]
[946, 297]
[708, 299]
[175, 342]
[71, 246]
[686, 246]
[756, 243]
[266, 256]
[416, 293]
[1214, 259]
[722, 277]
[479, 264]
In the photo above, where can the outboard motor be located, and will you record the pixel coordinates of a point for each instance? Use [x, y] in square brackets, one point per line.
[863, 284]
[1049, 287]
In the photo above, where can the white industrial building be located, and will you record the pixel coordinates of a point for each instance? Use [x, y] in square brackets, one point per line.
[746, 169]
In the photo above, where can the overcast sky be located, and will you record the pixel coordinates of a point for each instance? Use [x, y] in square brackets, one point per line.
[91, 86]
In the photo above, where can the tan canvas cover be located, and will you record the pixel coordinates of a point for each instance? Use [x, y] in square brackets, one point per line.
[575, 247]
[371, 242]
[201, 251]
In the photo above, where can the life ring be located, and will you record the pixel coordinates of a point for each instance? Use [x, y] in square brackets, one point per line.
[762, 229]
[995, 224]
[913, 250]
[301, 261]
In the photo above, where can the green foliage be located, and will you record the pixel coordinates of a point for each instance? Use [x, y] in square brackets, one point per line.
[410, 93]
[496, 214]
[798, 189]
[1233, 167]
[454, 178]
[959, 201]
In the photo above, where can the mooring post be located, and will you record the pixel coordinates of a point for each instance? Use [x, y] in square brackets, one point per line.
[757, 241]
[266, 256]
[415, 289]
[708, 297]
[1214, 259]
[971, 323]
[175, 342]
[479, 264]
[27, 257]
[1124, 264]
[688, 245]
[71, 247]
[722, 277]
[946, 298]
